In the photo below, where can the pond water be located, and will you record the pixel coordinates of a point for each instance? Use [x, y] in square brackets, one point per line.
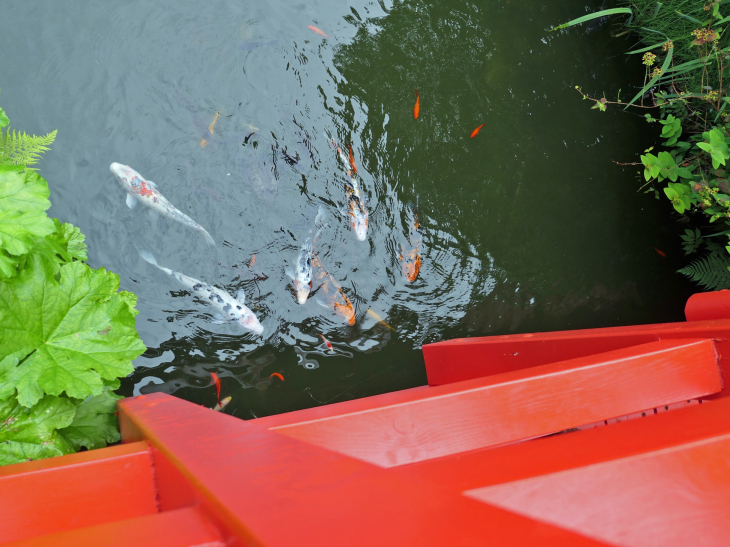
[526, 227]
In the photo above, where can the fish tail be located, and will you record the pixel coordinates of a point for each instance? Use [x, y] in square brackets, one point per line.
[209, 240]
[149, 257]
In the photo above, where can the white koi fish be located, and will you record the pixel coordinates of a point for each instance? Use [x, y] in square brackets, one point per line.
[231, 309]
[357, 209]
[145, 191]
[301, 275]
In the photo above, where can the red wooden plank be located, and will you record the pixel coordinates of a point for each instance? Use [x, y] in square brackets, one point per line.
[677, 497]
[467, 358]
[707, 306]
[79, 457]
[558, 453]
[68, 492]
[520, 405]
[181, 528]
[272, 490]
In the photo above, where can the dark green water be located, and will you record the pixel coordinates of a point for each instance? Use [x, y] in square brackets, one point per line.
[527, 227]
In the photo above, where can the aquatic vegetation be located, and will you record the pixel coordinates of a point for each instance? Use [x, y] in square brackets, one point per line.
[67, 334]
[690, 91]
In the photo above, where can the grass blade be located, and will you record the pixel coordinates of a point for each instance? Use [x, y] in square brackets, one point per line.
[648, 86]
[595, 15]
[683, 16]
[642, 50]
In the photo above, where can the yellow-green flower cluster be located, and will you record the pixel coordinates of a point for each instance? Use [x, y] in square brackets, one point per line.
[712, 95]
[657, 72]
[667, 45]
[648, 58]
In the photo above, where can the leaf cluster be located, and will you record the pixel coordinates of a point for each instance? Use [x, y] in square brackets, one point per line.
[67, 333]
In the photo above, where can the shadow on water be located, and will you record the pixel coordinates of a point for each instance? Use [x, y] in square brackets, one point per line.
[527, 227]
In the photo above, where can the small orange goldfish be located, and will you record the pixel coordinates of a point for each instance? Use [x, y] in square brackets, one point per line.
[279, 376]
[417, 107]
[352, 160]
[411, 257]
[217, 383]
[211, 127]
[477, 130]
[660, 253]
[317, 31]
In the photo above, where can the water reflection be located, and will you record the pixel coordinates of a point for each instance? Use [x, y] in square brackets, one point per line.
[528, 201]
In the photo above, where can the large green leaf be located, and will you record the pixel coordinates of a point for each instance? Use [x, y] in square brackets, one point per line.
[94, 424]
[68, 335]
[23, 191]
[30, 433]
[23, 202]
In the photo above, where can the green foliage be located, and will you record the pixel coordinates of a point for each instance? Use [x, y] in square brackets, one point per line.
[595, 15]
[710, 271]
[18, 148]
[67, 333]
[692, 241]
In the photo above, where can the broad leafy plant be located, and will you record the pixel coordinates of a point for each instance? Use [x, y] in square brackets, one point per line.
[67, 333]
[690, 91]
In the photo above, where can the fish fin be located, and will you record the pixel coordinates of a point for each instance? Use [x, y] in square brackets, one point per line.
[152, 184]
[218, 319]
[149, 257]
[131, 201]
[241, 296]
[319, 301]
[290, 273]
[209, 240]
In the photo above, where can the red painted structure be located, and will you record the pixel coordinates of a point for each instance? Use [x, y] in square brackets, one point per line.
[615, 436]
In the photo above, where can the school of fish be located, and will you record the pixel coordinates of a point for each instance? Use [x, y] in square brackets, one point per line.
[307, 274]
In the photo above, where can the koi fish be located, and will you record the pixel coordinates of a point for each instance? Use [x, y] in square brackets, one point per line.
[411, 257]
[211, 127]
[317, 31]
[417, 106]
[279, 376]
[477, 130]
[222, 404]
[358, 212]
[352, 160]
[379, 319]
[253, 261]
[229, 308]
[301, 275]
[217, 383]
[660, 253]
[327, 343]
[332, 295]
[144, 191]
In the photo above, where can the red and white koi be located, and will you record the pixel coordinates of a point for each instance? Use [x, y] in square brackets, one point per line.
[327, 343]
[144, 191]
[222, 404]
[229, 308]
[357, 209]
[410, 256]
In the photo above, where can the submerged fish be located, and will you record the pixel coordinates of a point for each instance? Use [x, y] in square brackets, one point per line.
[217, 382]
[357, 210]
[277, 374]
[222, 404]
[327, 343]
[229, 308]
[417, 106]
[331, 294]
[301, 275]
[379, 319]
[410, 256]
[317, 31]
[477, 130]
[144, 191]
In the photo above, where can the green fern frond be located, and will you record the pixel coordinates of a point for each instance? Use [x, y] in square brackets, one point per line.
[710, 271]
[18, 148]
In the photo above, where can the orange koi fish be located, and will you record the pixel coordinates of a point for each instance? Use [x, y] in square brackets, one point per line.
[331, 294]
[477, 130]
[222, 404]
[358, 211]
[660, 253]
[379, 319]
[352, 160]
[411, 257]
[317, 31]
[211, 127]
[253, 261]
[279, 376]
[327, 343]
[417, 107]
[217, 383]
